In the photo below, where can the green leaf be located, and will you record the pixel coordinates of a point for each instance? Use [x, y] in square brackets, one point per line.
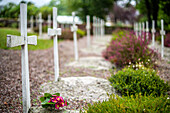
[42, 99]
[45, 101]
[57, 94]
[47, 95]
[50, 103]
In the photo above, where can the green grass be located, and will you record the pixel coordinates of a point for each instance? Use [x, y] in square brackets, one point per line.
[41, 44]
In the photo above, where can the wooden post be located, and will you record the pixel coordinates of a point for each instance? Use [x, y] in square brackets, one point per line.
[32, 23]
[49, 21]
[96, 21]
[153, 33]
[147, 30]
[40, 24]
[94, 25]
[74, 30]
[162, 32]
[140, 30]
[98, 27]
[88, 30]
[137, 29]
[143, 29]
[23, 41]
[55, 32]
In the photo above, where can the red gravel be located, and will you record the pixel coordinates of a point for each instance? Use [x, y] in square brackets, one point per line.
[41, 71]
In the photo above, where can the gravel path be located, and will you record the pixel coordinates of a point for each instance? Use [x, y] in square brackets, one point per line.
[41, 71]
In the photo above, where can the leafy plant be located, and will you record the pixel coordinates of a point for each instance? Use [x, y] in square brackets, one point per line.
[132, 104]
[130, 50]
[53, 101]
[142, 80]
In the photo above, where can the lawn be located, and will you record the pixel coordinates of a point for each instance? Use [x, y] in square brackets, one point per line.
[41, 44]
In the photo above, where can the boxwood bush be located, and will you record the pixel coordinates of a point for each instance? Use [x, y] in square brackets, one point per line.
[142, 80]
[132, 104]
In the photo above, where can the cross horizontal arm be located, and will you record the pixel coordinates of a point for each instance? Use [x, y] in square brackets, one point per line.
[52, 32]
[32, 40]
[13, 41]
[74, 28]
[162, 32]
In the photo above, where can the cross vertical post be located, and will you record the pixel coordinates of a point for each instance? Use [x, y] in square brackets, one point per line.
[74, 30]
[88, 30]
[98, 26]
[140, 30]
[96, 21]
[147, 30]
[94, 26]
[143, 29]
[32, 23]
[153, 33]
[23, 41]
[40, 24]
[55, 32]
[137, 29]
[49, 21]
[162, 32]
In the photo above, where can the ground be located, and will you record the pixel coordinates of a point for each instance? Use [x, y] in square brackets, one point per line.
[41, 71]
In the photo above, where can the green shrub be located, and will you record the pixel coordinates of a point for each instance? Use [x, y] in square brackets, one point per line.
[14, 25]
[81, 32]
[133, 104]
[143, 80]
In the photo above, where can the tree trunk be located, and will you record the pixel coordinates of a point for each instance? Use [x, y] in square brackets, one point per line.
[155, 11]
[148, 7]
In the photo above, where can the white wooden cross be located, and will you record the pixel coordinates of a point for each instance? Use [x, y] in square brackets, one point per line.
[94, 25]
[32, 23]
[140, 30]
[137, 29]
[55, 32]
[74, 30]
[23, 41]
[162, 32]
[143, 29]
[153, 33]
[49, 21]
[88, 30]
[98, 26]
[96, 30]
[147, 30]
[102, 27]
[40, 24]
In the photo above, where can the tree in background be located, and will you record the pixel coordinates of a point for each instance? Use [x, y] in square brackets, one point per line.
[99, 8]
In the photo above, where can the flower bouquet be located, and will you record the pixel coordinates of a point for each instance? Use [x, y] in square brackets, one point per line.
[53, 101]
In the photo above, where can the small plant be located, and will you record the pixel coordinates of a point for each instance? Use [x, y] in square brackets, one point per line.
[142, 80]
[53, 101]
[132, 104]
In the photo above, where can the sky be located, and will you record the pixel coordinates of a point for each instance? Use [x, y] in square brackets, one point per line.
[37, 3]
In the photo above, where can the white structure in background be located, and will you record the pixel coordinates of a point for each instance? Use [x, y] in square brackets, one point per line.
[94, 25]
[23, 41]
[143, 29]
[140, 30]
[31, 23]
[49, 21]
[153, 33]
[147, 30]
[19, 24]
[40, 24]
[88, 30]
[162, 32]
[55, 32]
[74, 30]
